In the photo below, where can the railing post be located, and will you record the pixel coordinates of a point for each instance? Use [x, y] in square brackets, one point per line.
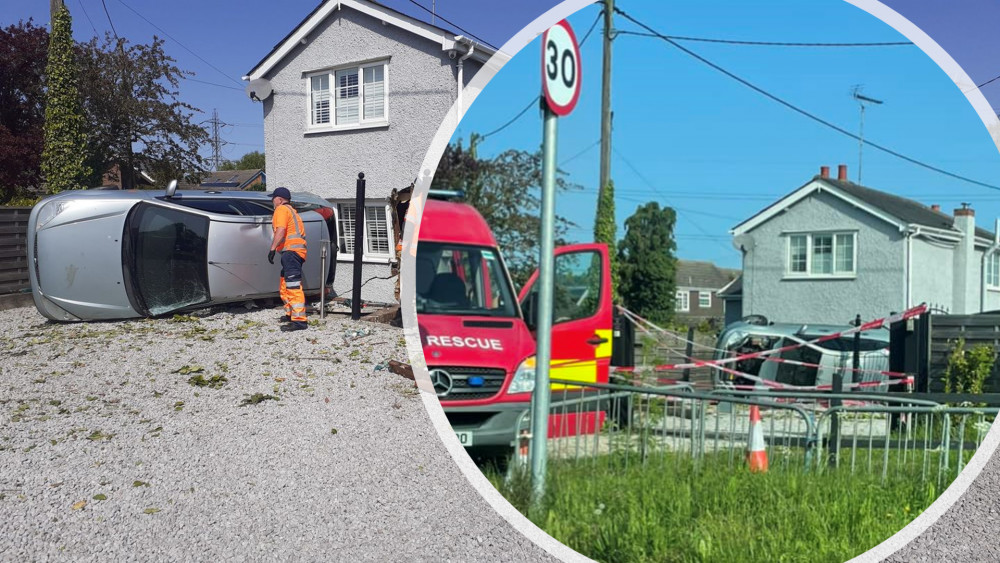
[359, 226]
[688, 351]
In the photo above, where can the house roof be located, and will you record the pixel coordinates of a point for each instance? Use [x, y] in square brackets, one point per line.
[447, 39]
[233, 179]
[734, 289]
[691, 273]
[888, 206]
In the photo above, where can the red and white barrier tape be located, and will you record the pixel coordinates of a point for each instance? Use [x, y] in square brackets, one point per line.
[870, 325]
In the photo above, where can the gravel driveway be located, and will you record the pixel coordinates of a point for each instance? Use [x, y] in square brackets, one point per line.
[218, 437]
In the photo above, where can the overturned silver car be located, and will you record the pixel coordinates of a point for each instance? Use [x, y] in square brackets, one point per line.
[102, 254]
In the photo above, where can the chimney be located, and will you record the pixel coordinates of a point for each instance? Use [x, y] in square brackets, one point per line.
[824, 171]
[965, 211]
[936, 207]
[842, 172]
[966, 288]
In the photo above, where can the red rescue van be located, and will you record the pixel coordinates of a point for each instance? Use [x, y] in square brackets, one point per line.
[478, 334]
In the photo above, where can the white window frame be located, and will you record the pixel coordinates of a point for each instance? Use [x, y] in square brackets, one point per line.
[993, 271]
[362, 123]
[366, 255]
[702, 297]
[682, 301]
[808, 274]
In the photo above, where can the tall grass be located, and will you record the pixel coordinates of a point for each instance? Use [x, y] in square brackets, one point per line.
[716, 513]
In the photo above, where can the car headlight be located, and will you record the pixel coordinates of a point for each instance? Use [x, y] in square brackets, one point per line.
[50, 211]
[524, 377]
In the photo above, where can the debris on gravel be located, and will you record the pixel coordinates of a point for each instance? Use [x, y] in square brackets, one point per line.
[213, 436]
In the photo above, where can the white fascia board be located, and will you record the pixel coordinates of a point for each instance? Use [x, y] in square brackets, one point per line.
[804, 192]
[446, 40]
[731, 282]
[944, 234]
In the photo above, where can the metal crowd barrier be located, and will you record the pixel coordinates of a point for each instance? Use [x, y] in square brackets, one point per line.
[618, 426]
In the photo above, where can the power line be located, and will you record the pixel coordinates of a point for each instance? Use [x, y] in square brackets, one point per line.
[516, 117]
[213, 84]
[92, 26]
[765, 43]
[592, 26]
[983, 84]
[581, 153]
[469, 33]
[176, 41]
[535, 100]
[109, 20]
[676, 210]
[804, 112]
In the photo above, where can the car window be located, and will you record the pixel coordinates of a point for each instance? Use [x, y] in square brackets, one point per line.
[166, 254]
[576, 286]
[255, 208]
[221, 206]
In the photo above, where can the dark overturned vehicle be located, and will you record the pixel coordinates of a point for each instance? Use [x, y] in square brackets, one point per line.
[805, 363]
[110, 254]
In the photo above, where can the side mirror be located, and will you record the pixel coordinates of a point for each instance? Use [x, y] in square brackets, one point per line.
[171, 188]
[529, 307]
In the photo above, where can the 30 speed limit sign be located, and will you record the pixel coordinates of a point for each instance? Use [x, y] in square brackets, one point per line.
[560, 68]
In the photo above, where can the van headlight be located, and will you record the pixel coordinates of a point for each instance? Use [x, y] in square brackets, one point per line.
[524, 377]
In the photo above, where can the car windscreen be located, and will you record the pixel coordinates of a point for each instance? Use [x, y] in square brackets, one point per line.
[166, 255]
[462, 280]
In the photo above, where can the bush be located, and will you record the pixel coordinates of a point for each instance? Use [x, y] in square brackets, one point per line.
[968, 370]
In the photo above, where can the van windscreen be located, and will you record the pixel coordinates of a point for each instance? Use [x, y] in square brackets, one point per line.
[462, 280]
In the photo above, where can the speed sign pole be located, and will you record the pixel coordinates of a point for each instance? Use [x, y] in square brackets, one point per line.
[561, 86]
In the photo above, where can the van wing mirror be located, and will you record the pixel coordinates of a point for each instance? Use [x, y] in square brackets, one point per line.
[529, 307]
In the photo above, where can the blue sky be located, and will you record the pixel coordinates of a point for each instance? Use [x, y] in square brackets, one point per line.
[685, 134]
[221, 40]
[693, 138]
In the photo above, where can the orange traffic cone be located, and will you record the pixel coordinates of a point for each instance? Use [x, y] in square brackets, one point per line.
[522, 448]
[756, 449]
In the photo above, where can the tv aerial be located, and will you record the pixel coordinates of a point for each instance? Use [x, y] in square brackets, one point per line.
[862, 102]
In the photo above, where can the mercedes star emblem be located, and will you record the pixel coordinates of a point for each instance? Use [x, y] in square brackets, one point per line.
[442, 382]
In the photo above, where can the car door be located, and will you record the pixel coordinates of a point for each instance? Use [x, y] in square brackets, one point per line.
[582, 314]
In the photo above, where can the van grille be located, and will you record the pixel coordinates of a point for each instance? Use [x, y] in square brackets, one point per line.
[463, 382]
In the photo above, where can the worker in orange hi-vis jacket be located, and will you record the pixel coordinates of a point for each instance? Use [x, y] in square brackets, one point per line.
[290, 240]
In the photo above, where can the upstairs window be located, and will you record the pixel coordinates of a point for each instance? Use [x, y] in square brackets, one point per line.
[993, 270]
[348, 97]
[821, 255]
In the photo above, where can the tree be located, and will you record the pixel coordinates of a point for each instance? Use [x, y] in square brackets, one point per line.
[137, 121]
[506, 191]
[606, 231]
[647, 261]
[22, 107]
[250, 161]
[63, 156]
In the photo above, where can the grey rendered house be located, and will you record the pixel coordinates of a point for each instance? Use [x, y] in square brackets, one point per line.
[359, 88]
[698, 284]
[833, 249]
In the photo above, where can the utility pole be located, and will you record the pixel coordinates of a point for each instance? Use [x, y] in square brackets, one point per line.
[609, 13]
[54, 6]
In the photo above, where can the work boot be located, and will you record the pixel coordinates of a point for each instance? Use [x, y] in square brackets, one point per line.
[285, 319]
[295, 325]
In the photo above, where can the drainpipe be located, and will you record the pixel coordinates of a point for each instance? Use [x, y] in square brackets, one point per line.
[982, 268]
[461, 82]
[910, 232]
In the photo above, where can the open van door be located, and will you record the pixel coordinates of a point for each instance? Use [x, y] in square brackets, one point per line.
[582, 313]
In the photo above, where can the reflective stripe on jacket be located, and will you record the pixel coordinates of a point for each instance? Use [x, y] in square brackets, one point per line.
[295, 232]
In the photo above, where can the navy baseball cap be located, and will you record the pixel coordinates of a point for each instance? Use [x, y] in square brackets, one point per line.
[280, 192]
